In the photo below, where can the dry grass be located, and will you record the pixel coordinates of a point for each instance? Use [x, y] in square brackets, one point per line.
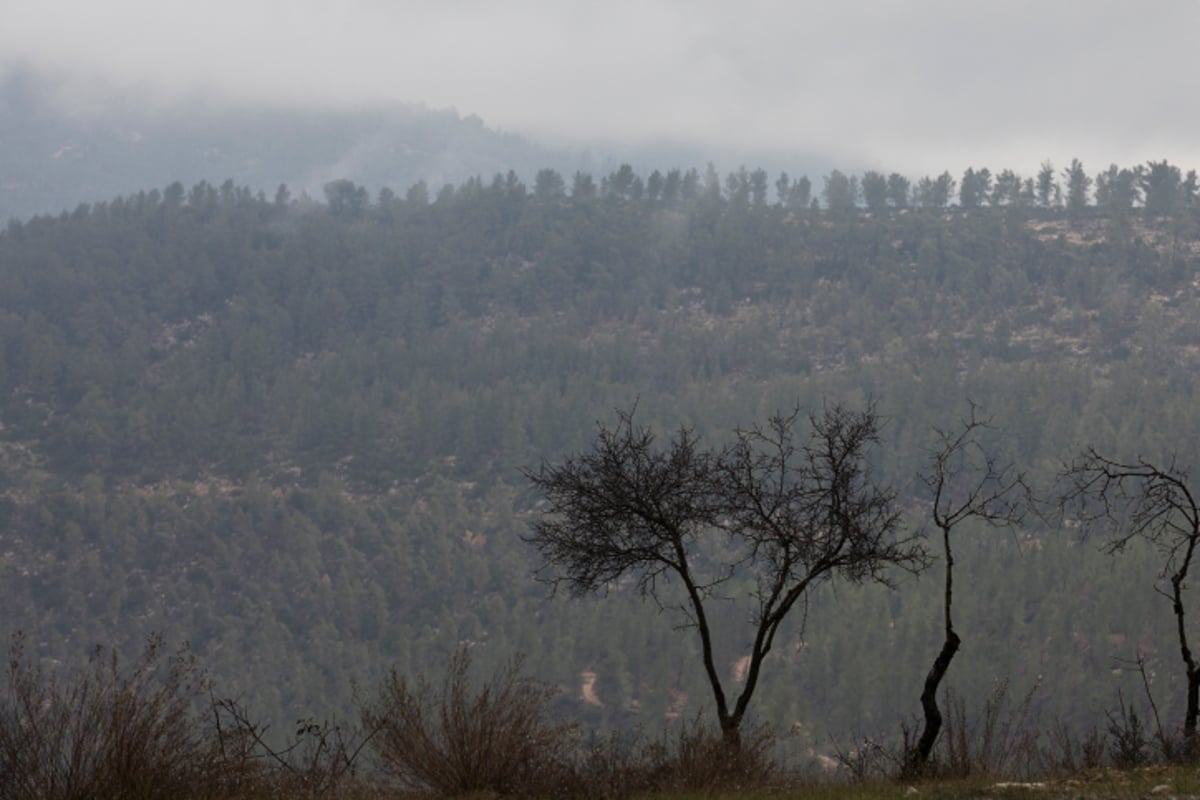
[693, 758]
[460, 740]
[1106, 784]
[154, 729]
[107, 730]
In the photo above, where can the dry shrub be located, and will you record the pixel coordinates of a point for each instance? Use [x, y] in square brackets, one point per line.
[321, 759]
[107, 730]
[459, 739]
[1001, 741]
[871, 759]
[608, 768]
[695, 758]
[1070, 754]
[1129, 745]
[702, 758]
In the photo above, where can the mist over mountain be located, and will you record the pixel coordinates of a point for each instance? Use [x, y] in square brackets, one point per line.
[57, 151]
[53, 158]
[294, 301]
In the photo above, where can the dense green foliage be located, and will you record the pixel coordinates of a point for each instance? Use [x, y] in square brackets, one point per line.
[294, 433]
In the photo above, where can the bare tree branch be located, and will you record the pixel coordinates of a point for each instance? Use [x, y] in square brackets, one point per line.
[966, 482]
[1131, 500]
[795, 510]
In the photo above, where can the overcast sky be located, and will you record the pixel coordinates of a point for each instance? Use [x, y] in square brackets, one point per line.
[906, 85]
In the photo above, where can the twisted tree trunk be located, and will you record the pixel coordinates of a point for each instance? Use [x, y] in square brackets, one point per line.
[918, 756]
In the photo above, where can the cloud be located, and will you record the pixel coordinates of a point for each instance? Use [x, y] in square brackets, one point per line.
[920, 85]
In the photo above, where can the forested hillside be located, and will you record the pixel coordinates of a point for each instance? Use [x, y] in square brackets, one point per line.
[294, 433]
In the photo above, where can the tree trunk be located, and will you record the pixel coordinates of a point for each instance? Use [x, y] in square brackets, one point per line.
[731, 733]
[1191, 668]
[1193, 710]
[919, 756]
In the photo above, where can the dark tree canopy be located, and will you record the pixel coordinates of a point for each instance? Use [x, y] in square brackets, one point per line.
[626, 506]
[788, 510]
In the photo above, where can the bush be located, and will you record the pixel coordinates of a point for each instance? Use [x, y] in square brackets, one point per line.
[461, 740]
[1067, 753]
[321, 759]
[701, 758]
[106, 730]
[697, 758]
[1002, 741]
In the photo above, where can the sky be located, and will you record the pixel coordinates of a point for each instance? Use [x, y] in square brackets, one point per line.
[916, 86]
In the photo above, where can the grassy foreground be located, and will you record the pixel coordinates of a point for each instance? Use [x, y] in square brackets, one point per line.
[1104, 784]
[140, 730]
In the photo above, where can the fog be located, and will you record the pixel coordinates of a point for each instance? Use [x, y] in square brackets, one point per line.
[918, 86]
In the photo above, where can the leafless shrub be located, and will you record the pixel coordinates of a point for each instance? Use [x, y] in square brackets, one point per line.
[873, 759]
[1066, 753]
[1128, 738]
[1132, 742]
[1173, 747]
[460, 740]
[321, 759]
[696, 757]
[1001, 738]
[608, 767]
[107, 730]
[700, 757]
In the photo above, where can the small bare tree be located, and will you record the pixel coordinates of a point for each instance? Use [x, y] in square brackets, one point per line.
[1140, 499]
[793, 510]
[965, 482]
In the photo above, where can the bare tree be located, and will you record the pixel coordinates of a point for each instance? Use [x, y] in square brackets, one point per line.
[965, 482]
[793, 511]
[1142, 500]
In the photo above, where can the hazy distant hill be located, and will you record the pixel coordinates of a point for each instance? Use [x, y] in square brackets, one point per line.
[52, 159]
[293, 433]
